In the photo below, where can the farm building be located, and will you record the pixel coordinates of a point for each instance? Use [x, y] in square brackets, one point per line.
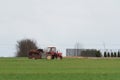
[73, 52]
[83, 52]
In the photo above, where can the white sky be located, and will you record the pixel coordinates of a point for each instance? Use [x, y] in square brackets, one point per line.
[61, 23]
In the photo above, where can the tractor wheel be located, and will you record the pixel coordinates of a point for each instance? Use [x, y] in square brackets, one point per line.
[59, 58]
[49, 57]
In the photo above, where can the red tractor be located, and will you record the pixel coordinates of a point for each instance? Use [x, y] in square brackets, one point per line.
[49, 53]
[52, 53]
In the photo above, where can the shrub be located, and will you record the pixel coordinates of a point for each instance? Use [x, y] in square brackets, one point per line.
[115, 54]
[112, 55]
[108, 54]
[105, 54]
[118, 54]
[24, 46]
[91, 53]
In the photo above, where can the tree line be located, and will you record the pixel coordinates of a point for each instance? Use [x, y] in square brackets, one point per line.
[112, 54]
[91, 53]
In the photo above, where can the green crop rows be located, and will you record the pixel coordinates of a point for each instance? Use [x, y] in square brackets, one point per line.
[66, 69]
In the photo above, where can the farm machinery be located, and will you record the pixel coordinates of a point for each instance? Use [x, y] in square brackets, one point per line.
[52, 53]
[48, 53]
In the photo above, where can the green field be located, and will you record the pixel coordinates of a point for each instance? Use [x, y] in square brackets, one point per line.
[66, 69]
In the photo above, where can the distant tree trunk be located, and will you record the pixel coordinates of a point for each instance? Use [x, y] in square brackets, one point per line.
[24, 46]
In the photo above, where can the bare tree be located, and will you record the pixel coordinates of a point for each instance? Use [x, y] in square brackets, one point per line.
[24, 46]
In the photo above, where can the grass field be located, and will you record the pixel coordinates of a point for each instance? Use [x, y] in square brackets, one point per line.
[66, 69]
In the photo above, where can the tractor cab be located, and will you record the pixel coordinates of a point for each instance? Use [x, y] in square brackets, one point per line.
[51, 49]
[51, 52]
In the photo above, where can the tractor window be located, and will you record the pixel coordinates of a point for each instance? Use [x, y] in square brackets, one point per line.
[51, 49]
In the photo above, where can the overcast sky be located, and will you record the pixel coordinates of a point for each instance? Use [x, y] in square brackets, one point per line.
[60, 23]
